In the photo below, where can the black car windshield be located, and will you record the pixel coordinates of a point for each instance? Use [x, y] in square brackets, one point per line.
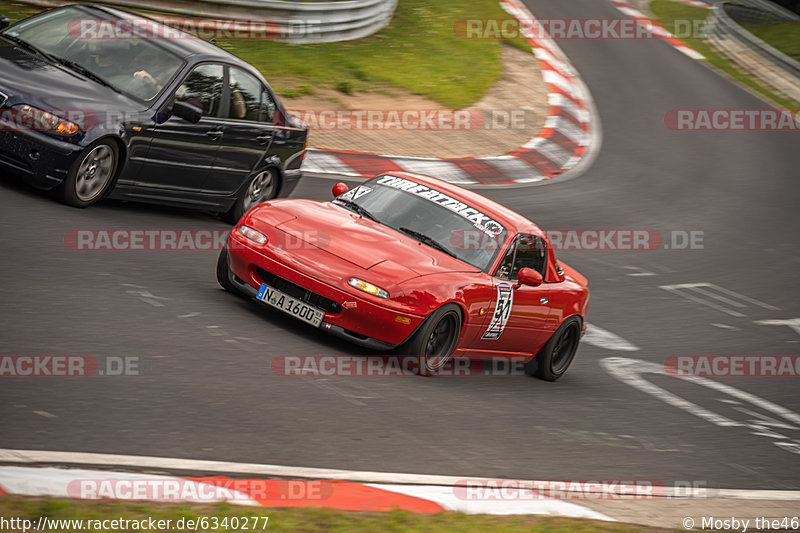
[429, 216]
[134, 66]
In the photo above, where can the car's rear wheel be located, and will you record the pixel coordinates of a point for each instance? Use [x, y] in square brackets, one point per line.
[556, 355]
[223, 272]
[91, 174]
[434, 341]
[261, 186]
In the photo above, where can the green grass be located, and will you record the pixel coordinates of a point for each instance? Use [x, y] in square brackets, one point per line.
[785, 36]
[419, 51]
[302, 520]
[669, 12]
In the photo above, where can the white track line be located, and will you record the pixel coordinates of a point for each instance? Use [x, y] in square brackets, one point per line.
[395, 478]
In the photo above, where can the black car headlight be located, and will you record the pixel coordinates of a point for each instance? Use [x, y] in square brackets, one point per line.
[33, 118]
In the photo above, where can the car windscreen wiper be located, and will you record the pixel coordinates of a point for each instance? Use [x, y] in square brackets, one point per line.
[427, 240]
[25, 44]
[352, 206]
[80, 69]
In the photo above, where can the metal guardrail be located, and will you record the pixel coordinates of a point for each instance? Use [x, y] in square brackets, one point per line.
[295, 22]
[771, 66]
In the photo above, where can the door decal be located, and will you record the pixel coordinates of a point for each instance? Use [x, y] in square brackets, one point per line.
[505, 298]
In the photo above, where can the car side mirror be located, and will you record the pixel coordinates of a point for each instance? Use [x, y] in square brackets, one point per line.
[339, 189]
[5, 22]
[528, 276]
[188, 112]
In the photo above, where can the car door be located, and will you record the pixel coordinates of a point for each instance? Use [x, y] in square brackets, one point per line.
[181, 153]
[519, 313]
[249, 132]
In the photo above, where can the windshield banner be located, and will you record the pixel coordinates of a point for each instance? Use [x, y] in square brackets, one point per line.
[481, 221]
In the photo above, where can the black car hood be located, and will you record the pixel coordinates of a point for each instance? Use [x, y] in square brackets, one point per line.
[31, 79]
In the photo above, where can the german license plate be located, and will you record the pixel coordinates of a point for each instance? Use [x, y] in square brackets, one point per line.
[290, 305]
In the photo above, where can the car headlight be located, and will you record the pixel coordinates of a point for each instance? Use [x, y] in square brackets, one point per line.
[33, 118]
[252, 234]
[367, 287]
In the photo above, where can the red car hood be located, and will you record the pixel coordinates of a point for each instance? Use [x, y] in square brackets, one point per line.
[359, 241]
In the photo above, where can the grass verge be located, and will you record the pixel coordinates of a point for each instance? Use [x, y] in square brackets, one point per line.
[419, 51]
[784, 36]
[284, 520]
[669, 11]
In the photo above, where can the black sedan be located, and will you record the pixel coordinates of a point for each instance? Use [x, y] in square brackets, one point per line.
[172, 120]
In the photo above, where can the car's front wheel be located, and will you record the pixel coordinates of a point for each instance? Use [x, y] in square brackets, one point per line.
[223, 272]
[91, 174]
[434, 341]
[556, 355]
[261, 186]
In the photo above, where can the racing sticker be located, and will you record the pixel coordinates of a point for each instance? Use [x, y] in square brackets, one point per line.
[480, 220]
[356, 193]
[505, 298]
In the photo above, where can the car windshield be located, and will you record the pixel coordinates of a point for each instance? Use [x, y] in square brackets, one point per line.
[96, 48]
[429, 216]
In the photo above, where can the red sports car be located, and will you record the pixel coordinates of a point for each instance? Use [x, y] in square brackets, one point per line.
[411, 262]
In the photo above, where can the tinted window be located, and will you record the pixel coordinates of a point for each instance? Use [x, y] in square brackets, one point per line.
[245, 96]
[268, 106]
[526, 251]
[202, 88]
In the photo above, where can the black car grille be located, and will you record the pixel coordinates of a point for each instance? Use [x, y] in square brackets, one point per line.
[296, 291]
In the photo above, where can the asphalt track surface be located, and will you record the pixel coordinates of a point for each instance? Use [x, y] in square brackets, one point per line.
[206, 391]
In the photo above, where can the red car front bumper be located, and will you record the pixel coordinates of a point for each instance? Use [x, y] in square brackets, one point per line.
[361, 319]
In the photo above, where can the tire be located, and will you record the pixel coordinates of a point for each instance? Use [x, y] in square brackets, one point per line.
[261, 186]
[223, 272]
[435, 339]
[556, 355]
[91, 175]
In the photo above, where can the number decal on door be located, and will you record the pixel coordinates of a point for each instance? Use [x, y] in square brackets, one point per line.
[505, 299]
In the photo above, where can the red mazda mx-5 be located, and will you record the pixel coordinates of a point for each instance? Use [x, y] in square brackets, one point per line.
[411, 262]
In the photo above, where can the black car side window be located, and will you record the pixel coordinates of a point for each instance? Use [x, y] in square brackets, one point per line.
[526, 251]
[245, 96]
[202, 88]
[268, 106]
